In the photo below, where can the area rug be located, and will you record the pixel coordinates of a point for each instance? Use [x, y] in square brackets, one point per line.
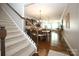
[56, 53]
[42, 52]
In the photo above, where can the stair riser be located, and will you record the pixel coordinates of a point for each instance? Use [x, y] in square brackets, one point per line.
[9, 32]
[10, 27]
[16, 47]
[5, 21]
[12, 35]
[10, 43]
[22, 50]
[7, 24]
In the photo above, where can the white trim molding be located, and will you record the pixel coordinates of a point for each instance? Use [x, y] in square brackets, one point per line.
[65, 36]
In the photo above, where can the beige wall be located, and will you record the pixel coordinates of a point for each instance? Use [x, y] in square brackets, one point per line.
[72, 34]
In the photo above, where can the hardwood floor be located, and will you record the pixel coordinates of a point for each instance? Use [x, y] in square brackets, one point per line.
[44, 47]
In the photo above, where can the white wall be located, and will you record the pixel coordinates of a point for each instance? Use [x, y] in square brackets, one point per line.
[72, 34]
[19, 7]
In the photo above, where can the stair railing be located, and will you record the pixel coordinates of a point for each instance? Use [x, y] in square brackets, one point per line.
[3, 34]
[25, 19]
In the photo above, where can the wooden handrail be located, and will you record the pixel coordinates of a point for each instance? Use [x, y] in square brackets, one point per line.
[3, 34]
[21, 16]
[25, 19]
[15, 11]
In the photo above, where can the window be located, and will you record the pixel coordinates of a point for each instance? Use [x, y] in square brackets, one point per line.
[48, 25]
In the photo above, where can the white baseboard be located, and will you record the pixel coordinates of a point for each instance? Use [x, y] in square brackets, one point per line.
[66, 40]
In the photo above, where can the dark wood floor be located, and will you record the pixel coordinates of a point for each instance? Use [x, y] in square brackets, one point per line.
[44, 47]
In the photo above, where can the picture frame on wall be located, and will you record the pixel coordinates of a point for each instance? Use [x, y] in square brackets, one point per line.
[67, 20]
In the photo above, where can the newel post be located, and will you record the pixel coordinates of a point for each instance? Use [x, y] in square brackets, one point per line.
[3, 34]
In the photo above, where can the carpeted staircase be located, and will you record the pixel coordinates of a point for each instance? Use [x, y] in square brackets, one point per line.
[17, 43]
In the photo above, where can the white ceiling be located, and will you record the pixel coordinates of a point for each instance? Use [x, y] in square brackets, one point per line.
[51, 10]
